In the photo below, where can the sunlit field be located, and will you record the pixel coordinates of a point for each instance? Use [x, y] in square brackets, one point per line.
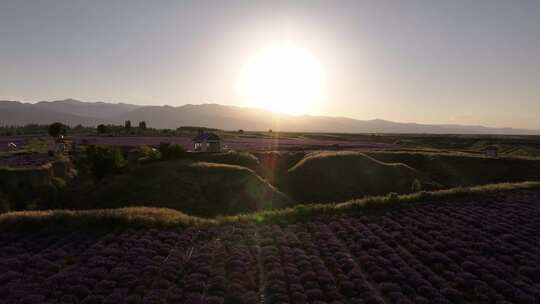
[269, 152]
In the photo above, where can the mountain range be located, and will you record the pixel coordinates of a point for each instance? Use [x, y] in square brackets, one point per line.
[74, 112]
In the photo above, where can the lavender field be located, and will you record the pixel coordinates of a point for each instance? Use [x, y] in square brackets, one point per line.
[236, 143]
[233, 142]
[26, 161]
[465, 251]
[5, 140]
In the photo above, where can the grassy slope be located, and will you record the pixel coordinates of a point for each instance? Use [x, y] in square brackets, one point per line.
[275, 164]
[243, 159]
[144, 216]
[446, 169]
[454, 170]
[203, 189]
[338, 176]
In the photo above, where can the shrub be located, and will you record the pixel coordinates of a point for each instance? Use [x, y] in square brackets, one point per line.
[144, 154]
[416, 185]
[301, 210]
[104, 161]
[102, 129]
[392, 197]
[56, 129]
[59, 183]
[169, 151]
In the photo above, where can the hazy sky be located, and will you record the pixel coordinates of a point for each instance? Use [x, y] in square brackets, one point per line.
[468, 62]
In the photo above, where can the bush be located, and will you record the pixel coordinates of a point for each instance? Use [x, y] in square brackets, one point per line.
[56, 129]
[143, 154]
[102, 129]
[392, 197]
[169, 151]
[59, 183]
[104, 161]
[416, 185]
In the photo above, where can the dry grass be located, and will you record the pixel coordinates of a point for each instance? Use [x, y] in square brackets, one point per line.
[99, 218]
[163, 217]
[350, 154]
[377, 203]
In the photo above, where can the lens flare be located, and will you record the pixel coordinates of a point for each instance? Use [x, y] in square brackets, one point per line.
[283, 79]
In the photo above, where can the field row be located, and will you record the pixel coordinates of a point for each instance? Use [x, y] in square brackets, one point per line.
[467, 251]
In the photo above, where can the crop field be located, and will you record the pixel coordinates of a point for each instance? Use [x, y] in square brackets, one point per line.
[241, 143]
[25, 160]
[5, 140]
[238, 143]
[467, 250]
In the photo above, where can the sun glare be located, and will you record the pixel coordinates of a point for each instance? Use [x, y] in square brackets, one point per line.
[283, 79]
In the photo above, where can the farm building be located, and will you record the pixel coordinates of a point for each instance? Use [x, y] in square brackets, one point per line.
[207, 142]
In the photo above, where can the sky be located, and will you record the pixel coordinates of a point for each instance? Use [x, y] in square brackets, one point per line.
[432, 61]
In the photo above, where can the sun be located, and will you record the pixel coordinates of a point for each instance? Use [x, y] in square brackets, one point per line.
[282, 79]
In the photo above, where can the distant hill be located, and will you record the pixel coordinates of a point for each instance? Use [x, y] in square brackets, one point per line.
[16, 113]
[87, 109]
[74, 112]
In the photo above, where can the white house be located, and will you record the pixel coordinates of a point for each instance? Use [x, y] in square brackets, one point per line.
[207, 142]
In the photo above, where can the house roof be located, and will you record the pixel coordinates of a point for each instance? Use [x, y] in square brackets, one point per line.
[206, 136]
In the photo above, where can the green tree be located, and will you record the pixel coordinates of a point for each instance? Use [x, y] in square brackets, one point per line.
[102, 129]
[127, 124]
[104, 160]
[169, 151]
[56, 129]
